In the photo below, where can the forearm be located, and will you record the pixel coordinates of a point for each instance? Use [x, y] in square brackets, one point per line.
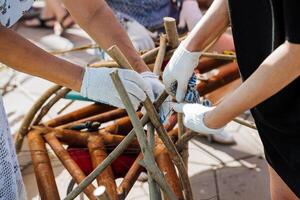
[100, 23]
[23, 56]
[209, 27]
[276, 72]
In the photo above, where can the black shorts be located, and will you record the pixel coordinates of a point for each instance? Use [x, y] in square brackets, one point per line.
[259, 27]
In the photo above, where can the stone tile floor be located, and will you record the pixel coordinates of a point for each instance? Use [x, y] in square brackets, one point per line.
[236, 172]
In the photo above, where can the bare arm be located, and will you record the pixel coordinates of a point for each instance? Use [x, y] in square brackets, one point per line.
[97, 19]
[276, 72]
[209, 27]
[22, 55]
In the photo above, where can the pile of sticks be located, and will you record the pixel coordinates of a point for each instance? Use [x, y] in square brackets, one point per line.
[161, 151]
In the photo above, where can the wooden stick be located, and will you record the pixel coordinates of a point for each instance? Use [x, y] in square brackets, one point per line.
[83, 112]
[148, 157]
[45, 109]
[245, 123]
[100, 193]
[98, 154]
[225, 75]
[130, 177]
[102, 118]
[160, 55]
[30, 115]
[69, 163]
[165, 164]
[114, 52]
[42, 167]
[171, 31]
[136, 168]
[114, 154]
[154, 192]
[177, 160]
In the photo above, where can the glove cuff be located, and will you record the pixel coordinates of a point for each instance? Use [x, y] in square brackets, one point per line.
[182, 52]
[207, 129]
[84, 83]
[148, 74]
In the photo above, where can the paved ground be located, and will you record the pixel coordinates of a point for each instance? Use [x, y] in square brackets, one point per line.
[236, 172]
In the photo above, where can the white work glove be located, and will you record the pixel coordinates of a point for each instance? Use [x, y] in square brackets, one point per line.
[190, 14]
[179, 71]
[193, 117]
[157, 88]
[139, 36]
[97, 85]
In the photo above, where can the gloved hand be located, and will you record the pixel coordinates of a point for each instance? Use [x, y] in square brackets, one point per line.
[193, 117]
[98, 86]
[190, 14]
[157, 88]
[179, 71]
[139, 35]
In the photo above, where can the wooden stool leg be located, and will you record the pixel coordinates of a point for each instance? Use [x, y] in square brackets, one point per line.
[42, 167]
[98, 154]
[69, 163]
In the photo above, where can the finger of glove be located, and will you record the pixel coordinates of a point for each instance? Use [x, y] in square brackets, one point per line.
[134, 90]
[181, 90]
[134, 77]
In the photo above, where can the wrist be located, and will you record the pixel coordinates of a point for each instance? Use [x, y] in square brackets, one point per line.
[210, 121]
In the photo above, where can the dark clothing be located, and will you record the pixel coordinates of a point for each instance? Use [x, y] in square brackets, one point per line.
[259, 27]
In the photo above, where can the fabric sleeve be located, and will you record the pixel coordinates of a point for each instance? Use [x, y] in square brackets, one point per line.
[12, 10]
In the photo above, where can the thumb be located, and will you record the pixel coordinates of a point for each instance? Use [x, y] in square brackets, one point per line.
[178, 107]
[181, 91]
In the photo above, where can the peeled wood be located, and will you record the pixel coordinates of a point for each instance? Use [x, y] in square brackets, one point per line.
[98, 154]
[69, 163]
[42, 167]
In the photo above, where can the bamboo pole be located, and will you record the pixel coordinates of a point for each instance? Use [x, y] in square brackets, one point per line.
[42, 167]
[130, 177]
[171, 31]
[114, 52]
[160, 55]
[149, 161]
[30, 115]
[98, 154]
[177, 160]
[136, 168]
[154, 192]
[101, 194]
[69, 163]
[114, 154]
[173, 41]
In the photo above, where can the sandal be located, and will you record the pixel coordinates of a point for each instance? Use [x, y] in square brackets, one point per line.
[59, 26]
[41, 23]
